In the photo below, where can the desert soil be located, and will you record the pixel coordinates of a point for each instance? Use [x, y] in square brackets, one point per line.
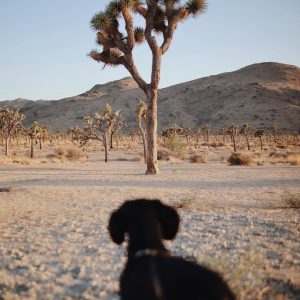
[54, 242]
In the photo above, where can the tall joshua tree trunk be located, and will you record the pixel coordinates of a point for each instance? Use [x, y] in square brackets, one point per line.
[151, 123]
[6, 146]
[159, 17]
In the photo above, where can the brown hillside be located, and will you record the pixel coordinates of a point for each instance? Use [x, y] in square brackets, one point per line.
[260, 94]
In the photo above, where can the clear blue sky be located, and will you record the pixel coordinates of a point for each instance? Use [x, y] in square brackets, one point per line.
[44, 44]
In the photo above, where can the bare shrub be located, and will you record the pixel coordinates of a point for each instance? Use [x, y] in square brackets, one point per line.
[239, 159]
[60, 151]
[164, 154]
[6, 189]
[75, 154]
[294, 159]
[177, 147]
[21, 160]
[291, 200]
[198, 158]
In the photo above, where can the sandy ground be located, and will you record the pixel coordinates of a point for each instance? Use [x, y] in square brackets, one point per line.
[54, 243]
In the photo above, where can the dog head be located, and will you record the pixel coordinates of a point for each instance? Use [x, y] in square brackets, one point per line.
[134, 213]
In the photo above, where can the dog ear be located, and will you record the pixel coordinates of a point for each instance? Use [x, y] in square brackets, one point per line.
[117, 226]
[168, 219]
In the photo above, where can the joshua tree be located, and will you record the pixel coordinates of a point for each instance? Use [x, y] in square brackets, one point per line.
[206, 130]
[233, 131]
[9, 120]
[76, 133]
[33, 133]
[160, 16]
[260, 133]
[246, 131]
[187, 132]
[141, 113]
[99, 127]
[116, 128]
[274, 132]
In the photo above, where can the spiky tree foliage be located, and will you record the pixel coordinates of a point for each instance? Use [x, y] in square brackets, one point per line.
[187, 132]
[9, 120]
[75, 134]
[141, 113]
[160, 17]
[246, 129]
[33, 133]
[260, 133]
[99, 127]
[118, 125]
[274, 132]
[206, 131]
[197, 132]
[233, 131]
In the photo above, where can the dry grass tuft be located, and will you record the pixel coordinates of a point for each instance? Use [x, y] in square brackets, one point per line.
[6, 189]
[21, 160]
[75, 154]
[294, 159]
[291, 200]
[71, 154]
[236, 159]
[198, 158]
[5, 160]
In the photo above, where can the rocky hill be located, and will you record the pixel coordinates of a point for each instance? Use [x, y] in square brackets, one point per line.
[260, 94]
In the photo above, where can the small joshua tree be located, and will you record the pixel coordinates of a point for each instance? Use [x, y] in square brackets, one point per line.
[160, 17]
[246, 129]
[9, 120]
[233, 131]
[99, 127]
[187, 132]
[141, 113]
[274, 132]
[116, 128]
[260, 133]
[76, 134]
[33, 133]
[206, 131]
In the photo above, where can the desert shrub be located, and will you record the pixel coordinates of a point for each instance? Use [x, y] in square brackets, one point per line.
[164, 154]
[6, 189]
[75, 154]
[198, 158]
[294, 159]
[239, 159]
[291, 200]
[60, 151]
[21, 160]
[135, 158]
[177, 147]
[52, 156]
[5, 160]
[278, 154]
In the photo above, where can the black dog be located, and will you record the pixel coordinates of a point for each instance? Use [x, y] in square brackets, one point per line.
[151, 273]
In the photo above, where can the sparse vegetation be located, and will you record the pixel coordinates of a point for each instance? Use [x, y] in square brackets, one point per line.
[198, 158]
[239, 159]
[291, 200]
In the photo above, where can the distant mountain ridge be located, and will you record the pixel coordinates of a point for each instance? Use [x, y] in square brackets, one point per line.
[260, 94]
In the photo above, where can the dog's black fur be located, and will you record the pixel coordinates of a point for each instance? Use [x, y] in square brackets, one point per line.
[153, 274]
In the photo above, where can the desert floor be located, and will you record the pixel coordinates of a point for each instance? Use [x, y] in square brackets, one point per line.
[54, 242]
